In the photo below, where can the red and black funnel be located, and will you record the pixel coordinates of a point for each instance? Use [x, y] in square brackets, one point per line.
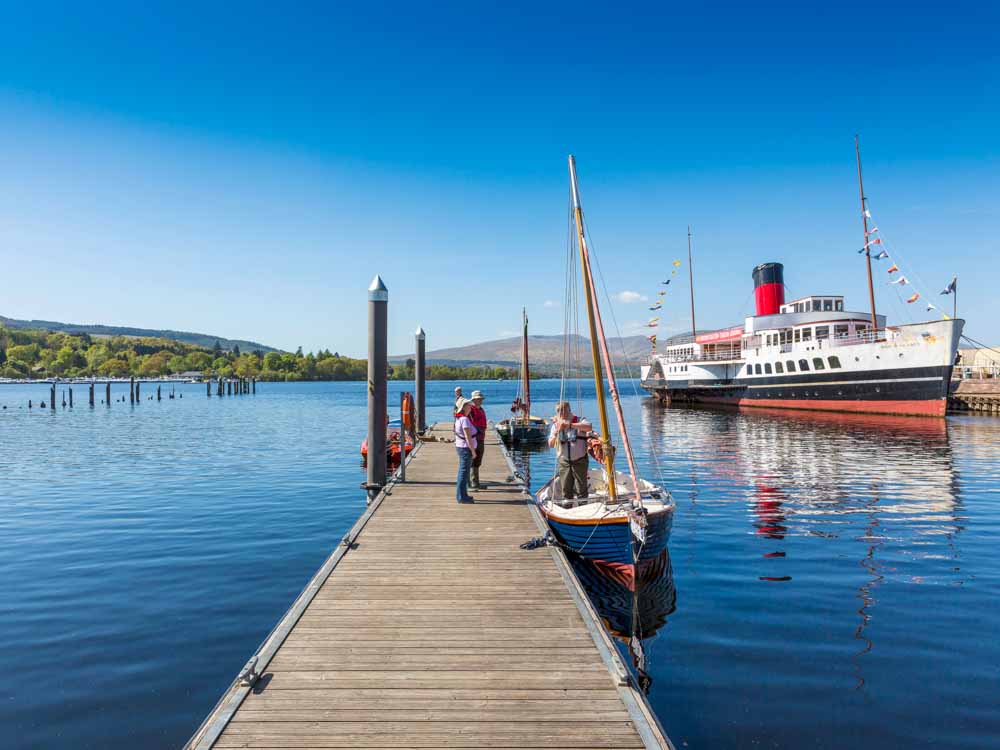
[769, 288]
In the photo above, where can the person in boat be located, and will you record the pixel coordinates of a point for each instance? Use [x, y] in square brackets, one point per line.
[465, 446]
[478, 417]
[458, 397]
[568, 435]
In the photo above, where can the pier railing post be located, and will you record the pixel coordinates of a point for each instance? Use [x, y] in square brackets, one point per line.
[418, 382]
[378, 316]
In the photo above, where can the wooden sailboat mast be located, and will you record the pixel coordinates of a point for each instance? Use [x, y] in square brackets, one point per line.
[867, 245]
[602, 408]
[525, 377]
[694, 328]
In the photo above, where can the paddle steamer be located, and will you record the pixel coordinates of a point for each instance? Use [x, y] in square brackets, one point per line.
[810, 353]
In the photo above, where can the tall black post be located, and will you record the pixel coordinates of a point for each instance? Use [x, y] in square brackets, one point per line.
[253, 386]
[91, 394]
[137, 391]
[208, 388]
[378, 317]
[131, 390]
[107, 393]
[418, 381]
[71, 397]
[52, 399]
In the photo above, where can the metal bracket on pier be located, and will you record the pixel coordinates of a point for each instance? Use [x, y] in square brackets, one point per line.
[248, 675]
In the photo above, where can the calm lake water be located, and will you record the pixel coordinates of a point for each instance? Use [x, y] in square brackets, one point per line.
[834, 579]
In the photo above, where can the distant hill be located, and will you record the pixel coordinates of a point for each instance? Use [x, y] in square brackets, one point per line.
[543, 351]
[185, 337]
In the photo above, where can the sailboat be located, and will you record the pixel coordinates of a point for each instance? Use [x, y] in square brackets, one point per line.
[523, 427]
[624, 522]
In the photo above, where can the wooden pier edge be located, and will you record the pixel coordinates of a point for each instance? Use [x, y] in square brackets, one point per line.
[646, 722]
[217, 720]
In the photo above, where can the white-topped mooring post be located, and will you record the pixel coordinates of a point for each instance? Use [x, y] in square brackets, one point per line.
[378, 355]
[418, 382]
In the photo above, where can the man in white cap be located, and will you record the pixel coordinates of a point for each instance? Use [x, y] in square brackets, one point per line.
[478, 418]
[458, 397]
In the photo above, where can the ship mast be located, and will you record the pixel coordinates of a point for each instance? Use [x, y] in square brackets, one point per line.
[694, 329]
[602, 408]
[525, 377]
[868, 249]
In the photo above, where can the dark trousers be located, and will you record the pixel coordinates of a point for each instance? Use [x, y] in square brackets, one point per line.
[464, 465]
[573, 477]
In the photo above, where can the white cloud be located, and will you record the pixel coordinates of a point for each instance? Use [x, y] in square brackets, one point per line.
[629, 296]
[550, 303]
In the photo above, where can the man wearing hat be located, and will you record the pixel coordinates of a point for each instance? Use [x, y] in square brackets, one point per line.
[478, 418]
[458, 397]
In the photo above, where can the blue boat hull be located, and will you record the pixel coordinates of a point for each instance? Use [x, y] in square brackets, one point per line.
[613, 542]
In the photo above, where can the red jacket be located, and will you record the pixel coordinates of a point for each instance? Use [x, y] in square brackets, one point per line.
[477, 416]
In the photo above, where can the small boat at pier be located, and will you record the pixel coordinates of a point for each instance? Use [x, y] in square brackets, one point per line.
[523, 427]
[624, 521]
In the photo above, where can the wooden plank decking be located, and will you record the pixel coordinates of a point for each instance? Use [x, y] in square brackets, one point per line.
[433, 629]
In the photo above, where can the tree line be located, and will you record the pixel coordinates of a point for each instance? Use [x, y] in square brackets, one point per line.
[39, 354]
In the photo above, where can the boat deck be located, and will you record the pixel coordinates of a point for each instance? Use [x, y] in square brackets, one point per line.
[431, 628]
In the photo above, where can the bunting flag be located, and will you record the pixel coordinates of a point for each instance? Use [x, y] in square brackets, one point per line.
[665, 283]
[660, 294]
[930, 307]
[652, 339]
[876, 241]
[872, 231]
[951, 287]
[652, 325]
[914, 298]
[901, 281]
[893, 268]
[653, 320]
[863, 250]
[657, 306]
[868, 214]
[674, 272]
[677, 264]
[881, 255]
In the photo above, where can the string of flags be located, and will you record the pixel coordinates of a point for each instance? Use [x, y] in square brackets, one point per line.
[657, 306]
[872, 241]
[658, 303]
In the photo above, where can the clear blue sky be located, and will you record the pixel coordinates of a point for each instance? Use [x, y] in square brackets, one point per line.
[246, 170]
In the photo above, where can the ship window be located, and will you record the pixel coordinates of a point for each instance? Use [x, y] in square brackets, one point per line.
[834, 362]
[822, 332]
[749, 369]
[791, 365]
[798, 335]
[756, 369]
[818, 363]
[778, 368]
[827, 305]
[767, 368]
[807, 334]
[840, 331]
[840, 305]
[803, 365]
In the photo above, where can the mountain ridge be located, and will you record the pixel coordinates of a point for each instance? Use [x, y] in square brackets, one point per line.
[185, 337]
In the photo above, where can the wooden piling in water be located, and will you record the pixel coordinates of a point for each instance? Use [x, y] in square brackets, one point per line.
[91, 394]
[131, 390]
[253, 385]
[418, 381]
[137, 384]
[52, 397]
[107, 393]
[71, 397]
[158, 397]
[378, 304]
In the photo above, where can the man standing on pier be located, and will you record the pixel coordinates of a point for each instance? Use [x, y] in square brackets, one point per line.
[478, 417]
[458, 397]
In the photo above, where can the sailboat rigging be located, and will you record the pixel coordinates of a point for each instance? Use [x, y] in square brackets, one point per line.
[623, 520]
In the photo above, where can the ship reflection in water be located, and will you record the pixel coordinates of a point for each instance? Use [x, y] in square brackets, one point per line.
[632, 615]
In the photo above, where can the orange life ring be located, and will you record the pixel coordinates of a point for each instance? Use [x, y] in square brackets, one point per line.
[409, 413]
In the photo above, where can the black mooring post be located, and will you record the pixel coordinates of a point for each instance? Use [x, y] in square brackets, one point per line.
[91, 394]
[137, 391]
[131, 390]
[378, 317]
[253, 386]
[107, 393]
[52, 397]
[158, 397]
[418, 382]
[208, 388]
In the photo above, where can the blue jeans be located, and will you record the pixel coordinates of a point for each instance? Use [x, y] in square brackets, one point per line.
[465, 457]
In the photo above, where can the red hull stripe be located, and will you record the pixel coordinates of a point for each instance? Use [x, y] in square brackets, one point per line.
[928, 408]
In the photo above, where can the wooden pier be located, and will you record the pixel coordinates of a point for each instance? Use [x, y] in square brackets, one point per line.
[430, 627]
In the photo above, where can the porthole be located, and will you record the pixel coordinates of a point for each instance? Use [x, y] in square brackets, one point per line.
[857, 359]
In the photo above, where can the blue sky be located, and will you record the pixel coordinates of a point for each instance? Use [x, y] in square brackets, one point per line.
[245, 170]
